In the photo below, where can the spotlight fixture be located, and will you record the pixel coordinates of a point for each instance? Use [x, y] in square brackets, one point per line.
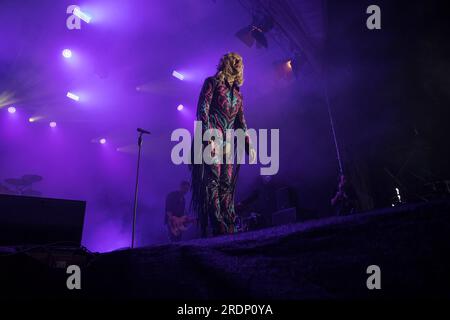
[52, 124]
[34, 119]
[180, 107]
[73, 96]
[283, 69]
[289, 64]
[289, 68]
[102, 140]
[256, 31]
[12, 110]
[177, 75]
[67, 53]
[298, 64]
[80, 14]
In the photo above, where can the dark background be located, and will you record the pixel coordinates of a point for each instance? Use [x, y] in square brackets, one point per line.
[395, 115]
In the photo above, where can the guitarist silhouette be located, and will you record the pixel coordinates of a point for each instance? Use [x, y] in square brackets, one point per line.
[175, 217]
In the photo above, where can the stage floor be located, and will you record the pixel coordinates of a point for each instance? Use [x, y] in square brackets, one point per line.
[323, 259]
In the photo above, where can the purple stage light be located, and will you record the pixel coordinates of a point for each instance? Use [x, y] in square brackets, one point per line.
[177, 75]
[73, 96]
[180, 107]
[12, 110]
[34, 119]
[80, 14]
[52, 124]
[102, 140]
[67, 53]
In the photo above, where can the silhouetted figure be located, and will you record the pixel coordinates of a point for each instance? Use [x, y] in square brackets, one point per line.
[345, 201]
[175, 215]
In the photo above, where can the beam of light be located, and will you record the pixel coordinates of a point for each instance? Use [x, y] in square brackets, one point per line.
[102, 140]
[7, 98]
[67, 53]
[180, 107]
[52, 124]
[12, 110]
[80, 14]
[177, 75]
[73, 96]
[131, 149]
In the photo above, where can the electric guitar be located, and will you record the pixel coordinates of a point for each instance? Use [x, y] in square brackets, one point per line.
[178, 224]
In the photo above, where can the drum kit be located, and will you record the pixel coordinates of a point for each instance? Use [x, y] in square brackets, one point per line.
[21, 186]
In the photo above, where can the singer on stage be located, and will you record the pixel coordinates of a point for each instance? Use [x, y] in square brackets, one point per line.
[220, 107]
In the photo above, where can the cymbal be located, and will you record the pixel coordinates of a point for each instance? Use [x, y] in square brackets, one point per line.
[32, 178]
[17, 182]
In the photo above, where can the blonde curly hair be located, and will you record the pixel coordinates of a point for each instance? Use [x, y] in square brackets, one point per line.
[231, 68]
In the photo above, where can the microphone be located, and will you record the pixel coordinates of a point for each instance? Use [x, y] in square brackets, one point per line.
[143, 131]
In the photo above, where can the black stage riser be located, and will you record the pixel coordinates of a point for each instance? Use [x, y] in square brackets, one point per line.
[323, 259]
[32, 220]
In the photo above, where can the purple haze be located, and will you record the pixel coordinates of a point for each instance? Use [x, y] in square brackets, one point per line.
[121, 68]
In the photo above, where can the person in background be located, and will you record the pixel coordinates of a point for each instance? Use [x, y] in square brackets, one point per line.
[344, 202]
[175, 214]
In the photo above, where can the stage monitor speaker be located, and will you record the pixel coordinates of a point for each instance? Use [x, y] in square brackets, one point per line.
[36, 221]
[284, 216]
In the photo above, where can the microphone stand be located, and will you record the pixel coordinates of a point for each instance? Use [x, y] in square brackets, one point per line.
[141, 132]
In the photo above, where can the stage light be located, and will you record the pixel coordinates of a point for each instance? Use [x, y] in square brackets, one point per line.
[283, 69]
[52, 124]
[73, 96]
[102, 140]
[67, 53]
[180, 107]
[290, 68]
[297, 64]
[289, 64]
[34, 119]
[255, 32]
[12, 110]
[397, 192]
[177, 75]
[80, 14]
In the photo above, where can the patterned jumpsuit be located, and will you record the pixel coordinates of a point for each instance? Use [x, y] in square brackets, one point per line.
[220, 107]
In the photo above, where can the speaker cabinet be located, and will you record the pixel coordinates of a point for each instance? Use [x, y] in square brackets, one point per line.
[31, 220]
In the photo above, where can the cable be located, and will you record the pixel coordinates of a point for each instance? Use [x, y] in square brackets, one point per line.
[330, 115]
